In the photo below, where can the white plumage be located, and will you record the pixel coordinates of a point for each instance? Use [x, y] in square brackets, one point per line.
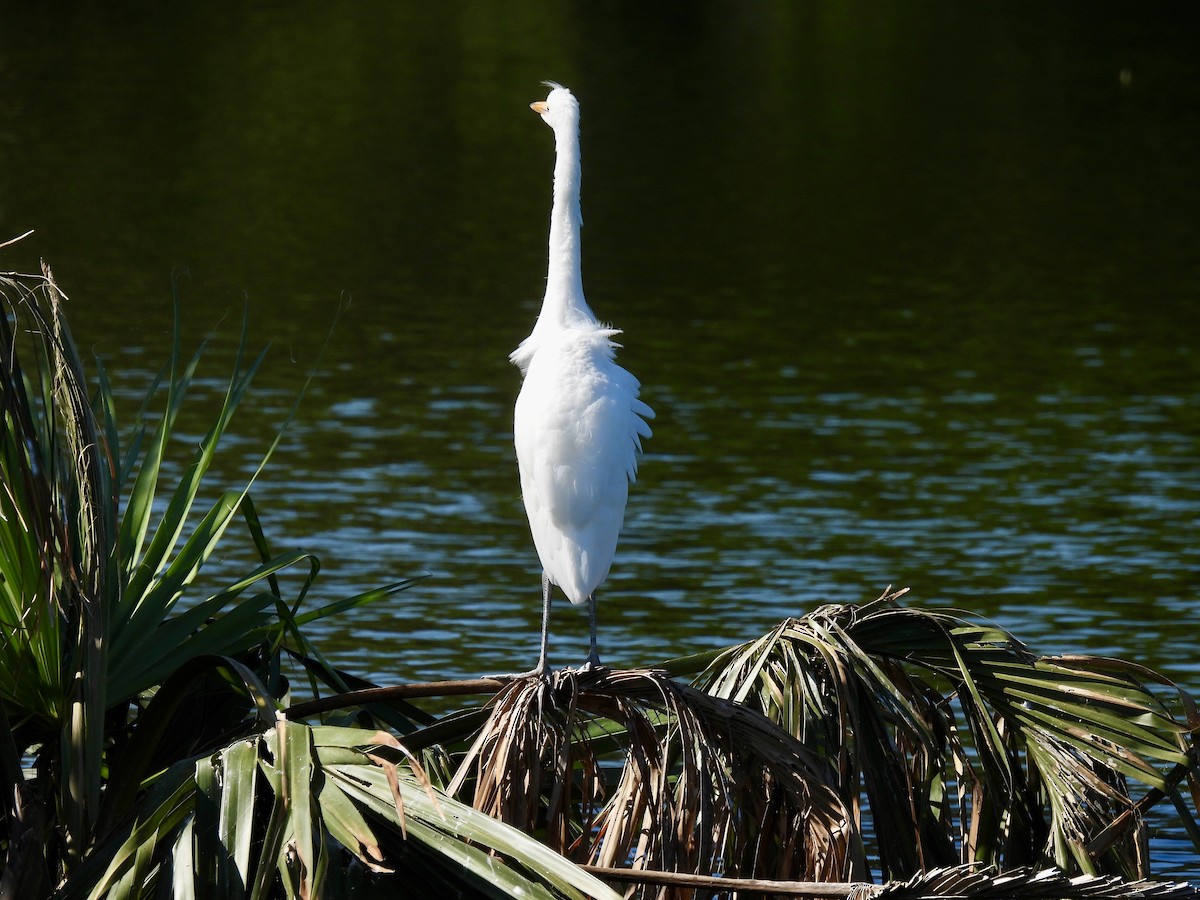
[578, 421]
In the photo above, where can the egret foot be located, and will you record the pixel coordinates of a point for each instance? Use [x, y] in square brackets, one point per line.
[592, 663]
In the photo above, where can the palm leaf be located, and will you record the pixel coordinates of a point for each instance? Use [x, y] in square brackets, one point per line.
[980, 883]
[88, 605]
[697, 785]
[1006, 758]
[287, 807]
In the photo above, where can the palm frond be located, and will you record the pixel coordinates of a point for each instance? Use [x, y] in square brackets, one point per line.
[972, 882]
[1004, 757]
[635, 768]
[951, 883]
[285, 809]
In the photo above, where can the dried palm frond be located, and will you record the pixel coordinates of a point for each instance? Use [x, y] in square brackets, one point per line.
[967, 882]
[961, 744]
[980, 883]
[633, 768]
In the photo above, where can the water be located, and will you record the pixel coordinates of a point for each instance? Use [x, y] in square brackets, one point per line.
[911, 287]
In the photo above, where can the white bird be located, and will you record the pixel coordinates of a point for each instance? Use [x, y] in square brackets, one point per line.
[578, 422]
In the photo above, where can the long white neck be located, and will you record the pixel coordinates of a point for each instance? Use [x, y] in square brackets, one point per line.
[564, 303]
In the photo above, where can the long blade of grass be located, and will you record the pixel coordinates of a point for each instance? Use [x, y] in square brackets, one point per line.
[233, 632]
[139, 505]
[296, 765]
[236, 825]
[348, 827]
[158, 599]
[166, 808]
[175, 516]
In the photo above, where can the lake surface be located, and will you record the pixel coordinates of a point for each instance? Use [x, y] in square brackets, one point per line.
[913, 289]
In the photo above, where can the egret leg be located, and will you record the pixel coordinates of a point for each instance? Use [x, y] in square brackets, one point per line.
[593, 658]
[541, 666]
[540, 670]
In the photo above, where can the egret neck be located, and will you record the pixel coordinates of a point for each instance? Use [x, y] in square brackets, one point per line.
[564, 305]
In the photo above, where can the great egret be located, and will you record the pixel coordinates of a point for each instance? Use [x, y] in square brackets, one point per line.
[578, 421]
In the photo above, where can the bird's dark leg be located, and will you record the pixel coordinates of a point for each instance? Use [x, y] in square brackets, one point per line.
[593, 658]
[541, 666]
[540, 670]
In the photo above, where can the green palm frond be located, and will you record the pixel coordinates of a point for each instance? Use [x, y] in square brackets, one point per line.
[300, 809]
[100, 548]
[88, 587]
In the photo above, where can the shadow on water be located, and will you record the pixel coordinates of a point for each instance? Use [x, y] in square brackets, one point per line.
[912, 290]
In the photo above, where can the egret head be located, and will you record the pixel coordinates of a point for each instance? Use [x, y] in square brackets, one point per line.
[559, 109]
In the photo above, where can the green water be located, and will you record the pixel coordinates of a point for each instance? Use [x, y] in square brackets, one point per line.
[913, 289]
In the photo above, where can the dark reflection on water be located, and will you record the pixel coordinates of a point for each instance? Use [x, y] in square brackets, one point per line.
[912, 288]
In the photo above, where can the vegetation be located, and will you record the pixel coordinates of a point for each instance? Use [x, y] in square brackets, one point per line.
[149, 745]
